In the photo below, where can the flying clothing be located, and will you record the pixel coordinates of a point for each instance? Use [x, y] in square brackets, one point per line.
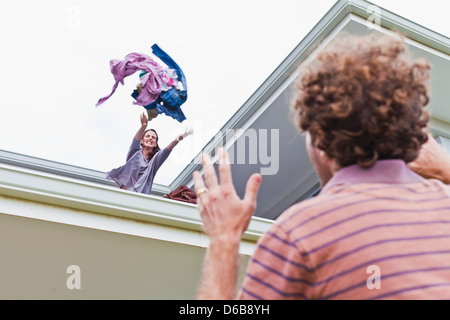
[170, 101]
[164, 86]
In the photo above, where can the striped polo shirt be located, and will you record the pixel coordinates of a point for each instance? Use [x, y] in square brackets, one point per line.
[378, 233]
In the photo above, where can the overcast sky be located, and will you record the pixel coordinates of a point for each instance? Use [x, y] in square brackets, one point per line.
[55, 66]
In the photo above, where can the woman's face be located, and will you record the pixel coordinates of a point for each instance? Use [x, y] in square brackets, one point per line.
[150, 139]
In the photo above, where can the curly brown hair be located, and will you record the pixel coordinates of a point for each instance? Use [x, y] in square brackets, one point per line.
[362, 100]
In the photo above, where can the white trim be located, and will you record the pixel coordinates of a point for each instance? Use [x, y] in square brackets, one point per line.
[39, 211]
[93, 198]
[399, 24]
[410, 41]
[439, 128]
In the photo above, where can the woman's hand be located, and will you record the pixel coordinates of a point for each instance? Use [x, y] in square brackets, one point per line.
[140, 133]
[185, 134]
[144, 120]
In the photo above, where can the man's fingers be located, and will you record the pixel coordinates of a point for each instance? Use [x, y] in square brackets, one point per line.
[199, 185]
[200, 190]
[210, 173]
[224, 168]
[252, 189]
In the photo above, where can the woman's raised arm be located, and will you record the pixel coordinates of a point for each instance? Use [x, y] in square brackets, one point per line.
[171, 145]
[140, 132]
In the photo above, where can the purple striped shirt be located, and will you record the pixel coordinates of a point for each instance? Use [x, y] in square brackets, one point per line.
[378, 233]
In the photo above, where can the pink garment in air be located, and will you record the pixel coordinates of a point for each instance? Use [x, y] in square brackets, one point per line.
[151, 81]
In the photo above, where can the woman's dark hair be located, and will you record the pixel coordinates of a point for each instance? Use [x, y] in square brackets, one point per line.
[155, 149]
[362, 101]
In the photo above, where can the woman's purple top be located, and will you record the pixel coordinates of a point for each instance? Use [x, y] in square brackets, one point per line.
[138, 172]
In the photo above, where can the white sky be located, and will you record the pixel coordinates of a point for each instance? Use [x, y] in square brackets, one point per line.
[55, 66]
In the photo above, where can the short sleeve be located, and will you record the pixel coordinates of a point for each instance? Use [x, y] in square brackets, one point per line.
[160, 157]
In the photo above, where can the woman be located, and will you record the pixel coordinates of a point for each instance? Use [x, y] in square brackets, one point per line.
[143, 160]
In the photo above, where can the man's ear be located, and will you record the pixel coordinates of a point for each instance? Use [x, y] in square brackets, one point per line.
[330, 163]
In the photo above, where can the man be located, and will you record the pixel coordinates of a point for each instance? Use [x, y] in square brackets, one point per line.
[377, 230]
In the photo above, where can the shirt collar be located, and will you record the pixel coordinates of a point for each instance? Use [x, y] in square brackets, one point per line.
[384, 171]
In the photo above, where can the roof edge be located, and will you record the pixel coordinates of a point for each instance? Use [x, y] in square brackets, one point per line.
[54, 189]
